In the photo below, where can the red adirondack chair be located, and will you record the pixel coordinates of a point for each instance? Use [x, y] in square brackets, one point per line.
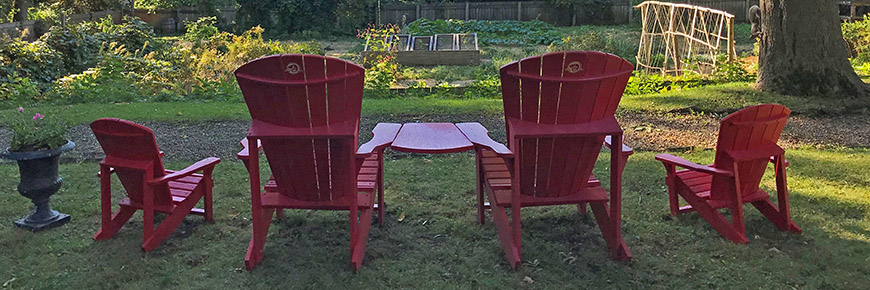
[559, 107]
[306, 111]
[747, 142]
[132, 154]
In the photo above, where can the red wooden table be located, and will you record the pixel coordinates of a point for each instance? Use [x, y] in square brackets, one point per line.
[431, 138]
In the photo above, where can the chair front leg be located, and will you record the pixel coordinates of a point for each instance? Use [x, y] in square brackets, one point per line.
[207, 197]
[481, 179]
[148, 206]
[381, 205]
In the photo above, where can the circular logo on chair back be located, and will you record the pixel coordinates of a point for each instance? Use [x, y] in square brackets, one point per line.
[574, 67]
[293, 68]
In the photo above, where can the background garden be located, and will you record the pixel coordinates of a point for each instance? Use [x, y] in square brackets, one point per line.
[182, 86]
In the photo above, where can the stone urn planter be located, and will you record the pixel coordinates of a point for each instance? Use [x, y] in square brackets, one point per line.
[39, 181]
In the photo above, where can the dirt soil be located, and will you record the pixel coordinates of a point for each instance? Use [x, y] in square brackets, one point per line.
[644, 131]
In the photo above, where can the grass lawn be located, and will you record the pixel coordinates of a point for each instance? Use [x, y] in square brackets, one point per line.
[718, 99]
[430, 238]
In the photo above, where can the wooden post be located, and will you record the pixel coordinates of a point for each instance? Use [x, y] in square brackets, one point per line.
[732, 51]
[519, 11]
[668, 42]
[466, 14]
[417, 16]
[630, 10]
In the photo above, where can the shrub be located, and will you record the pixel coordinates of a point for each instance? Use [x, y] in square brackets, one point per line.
[18, 89]
[34, 60]
[201, 29]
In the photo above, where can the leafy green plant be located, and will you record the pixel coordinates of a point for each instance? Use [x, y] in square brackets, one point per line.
[381, 76]
[18, 88]
[35, 60]
[202, 29]
[501, 32]
[731, 71]
[591, 40]
[31, 133]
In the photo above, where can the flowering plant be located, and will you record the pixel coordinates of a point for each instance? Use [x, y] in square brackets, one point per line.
[36, 132]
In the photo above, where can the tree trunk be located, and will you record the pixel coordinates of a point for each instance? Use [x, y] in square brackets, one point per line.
[802, 51]
[22, 6]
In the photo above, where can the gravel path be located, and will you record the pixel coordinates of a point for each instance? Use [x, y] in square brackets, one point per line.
[644, 131]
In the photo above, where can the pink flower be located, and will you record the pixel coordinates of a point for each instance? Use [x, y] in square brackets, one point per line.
[38, 116]
[20, 109]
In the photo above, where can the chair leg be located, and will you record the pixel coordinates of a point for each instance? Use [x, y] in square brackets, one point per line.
[505, 233]
[581, 208]
[618, 249]
[115, 223]
[481, 214]
[381, 205]
[207, 202]
[359, 250]
[171, 222]
[778, 218]
[258, 240]
[714, 218]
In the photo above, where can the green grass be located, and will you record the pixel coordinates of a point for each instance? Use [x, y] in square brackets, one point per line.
[728, 98]
[85, 113]
[717, 99]
[430, 239]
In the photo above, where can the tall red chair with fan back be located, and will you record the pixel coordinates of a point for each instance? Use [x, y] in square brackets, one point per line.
[132, 155]
[305, 112]
[747, 143]
[559, 108]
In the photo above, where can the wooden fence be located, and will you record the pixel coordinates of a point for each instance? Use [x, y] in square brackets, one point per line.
[622, 11]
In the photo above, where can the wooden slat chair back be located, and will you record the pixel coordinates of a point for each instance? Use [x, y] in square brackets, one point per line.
[752, 129]
[559, 109]
[306, 91]
[305, 112]
[746, 144]
[126, 143]
[132, 154]
[561, 88]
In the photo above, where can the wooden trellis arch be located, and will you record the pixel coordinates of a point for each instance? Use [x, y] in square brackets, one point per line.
[679, 38]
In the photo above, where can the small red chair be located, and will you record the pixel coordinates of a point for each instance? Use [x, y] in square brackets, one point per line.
[747, 142]
[559, 109]
[132, 154]
[305, 112]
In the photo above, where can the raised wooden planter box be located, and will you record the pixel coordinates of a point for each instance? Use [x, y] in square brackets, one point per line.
[441, 49]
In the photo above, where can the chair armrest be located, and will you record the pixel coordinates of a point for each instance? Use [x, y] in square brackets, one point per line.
[625, 149]
[205, 164]
[478, 135]
[605, 126]
[245, 153]
[677, 161]
[765, 152]
[384, 134]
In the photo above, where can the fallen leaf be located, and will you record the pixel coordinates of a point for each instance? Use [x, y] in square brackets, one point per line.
[528, 279]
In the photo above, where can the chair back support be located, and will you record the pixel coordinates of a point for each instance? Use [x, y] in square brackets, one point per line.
[306, 91]
[131, 149]
[750, 129]
[561, 88]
